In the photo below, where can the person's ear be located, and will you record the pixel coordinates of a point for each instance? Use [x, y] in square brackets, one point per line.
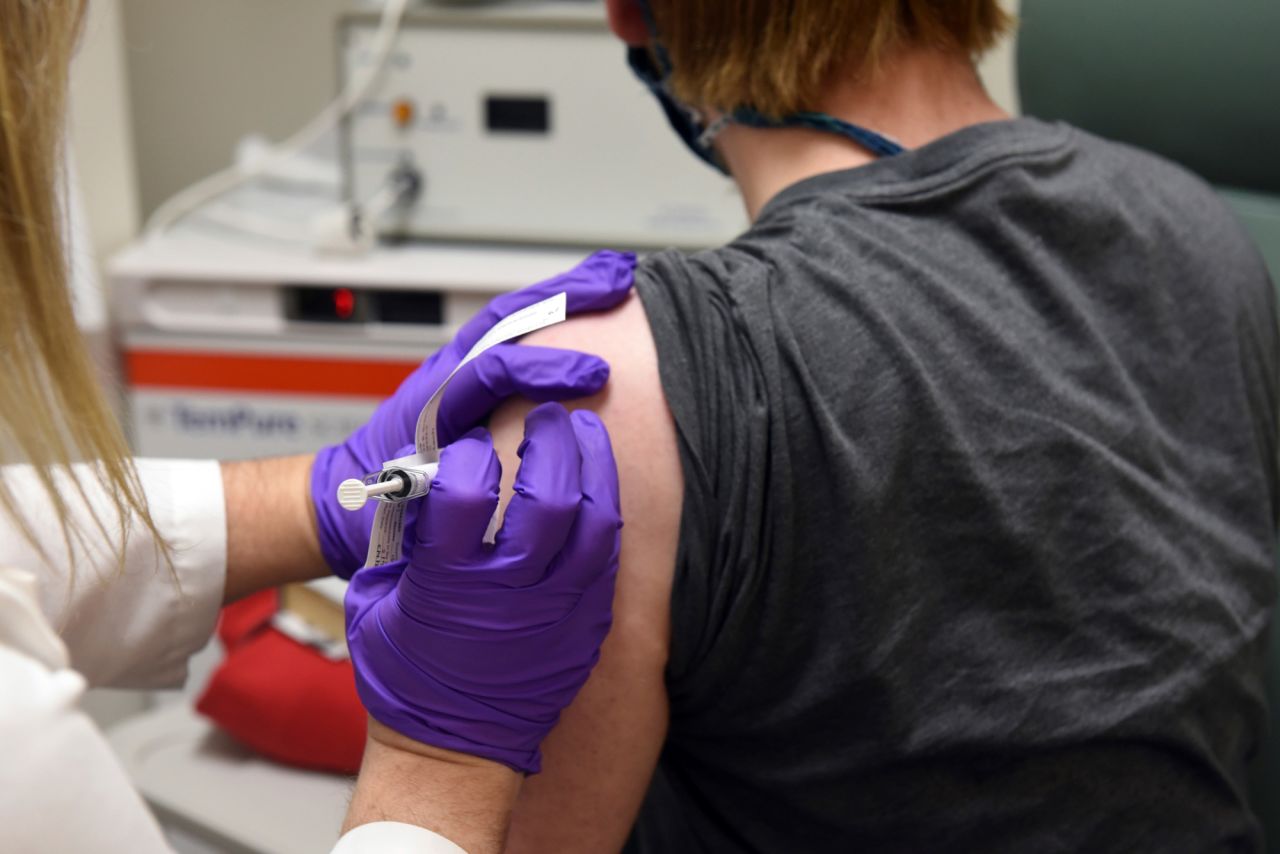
[627, 22]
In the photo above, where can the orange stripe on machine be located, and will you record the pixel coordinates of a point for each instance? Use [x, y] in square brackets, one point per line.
[260, 373]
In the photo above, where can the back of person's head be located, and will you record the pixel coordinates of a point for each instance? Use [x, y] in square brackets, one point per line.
[776, 56]
[52, 410]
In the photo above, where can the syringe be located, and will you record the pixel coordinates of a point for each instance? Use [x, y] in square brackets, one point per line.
[393, 485]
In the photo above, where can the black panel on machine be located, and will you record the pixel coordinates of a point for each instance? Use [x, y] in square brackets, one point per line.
[357, 305]
[408, 307]
[511, 114]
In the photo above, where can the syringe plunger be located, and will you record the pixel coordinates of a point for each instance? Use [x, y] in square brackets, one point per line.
[354, 494]
[398, 483]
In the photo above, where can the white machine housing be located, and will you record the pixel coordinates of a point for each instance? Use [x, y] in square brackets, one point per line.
[526, 125]
[229, 351]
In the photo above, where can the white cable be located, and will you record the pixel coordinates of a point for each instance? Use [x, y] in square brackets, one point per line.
[187, 200]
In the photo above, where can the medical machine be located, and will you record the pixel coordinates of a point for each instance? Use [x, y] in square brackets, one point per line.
[521, 122]
[245, 349]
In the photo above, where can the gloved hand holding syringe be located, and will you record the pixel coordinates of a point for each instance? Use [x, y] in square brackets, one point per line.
[409, 477]
[477, 641]
[540, 374]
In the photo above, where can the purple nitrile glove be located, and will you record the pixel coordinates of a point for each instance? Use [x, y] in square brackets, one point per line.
[539, 373]
[478, 648]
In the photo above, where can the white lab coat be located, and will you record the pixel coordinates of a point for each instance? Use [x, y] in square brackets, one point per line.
[61, 788]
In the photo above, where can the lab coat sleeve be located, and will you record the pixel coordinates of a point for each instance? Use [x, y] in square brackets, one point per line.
[132, 624]
[63, 788]
[393, 837]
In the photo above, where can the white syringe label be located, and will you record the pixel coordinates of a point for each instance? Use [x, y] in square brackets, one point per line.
[387, 535]
[550, 311]
[388, 522]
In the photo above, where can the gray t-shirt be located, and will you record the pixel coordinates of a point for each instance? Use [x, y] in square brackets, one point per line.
[979, 444]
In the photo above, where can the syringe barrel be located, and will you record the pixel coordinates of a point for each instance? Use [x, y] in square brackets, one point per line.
[416, 479]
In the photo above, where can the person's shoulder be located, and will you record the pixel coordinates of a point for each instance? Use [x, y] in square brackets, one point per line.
[625, 692]
[618, 335]
[592, 779]
[680, 299]
[746, 259]
[1144, 174]
[1186, 215]
[634, 410]
[632, 405]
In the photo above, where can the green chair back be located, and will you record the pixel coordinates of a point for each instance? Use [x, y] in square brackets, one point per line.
[1195, 81]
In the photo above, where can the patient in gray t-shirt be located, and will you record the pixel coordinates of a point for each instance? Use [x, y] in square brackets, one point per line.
[950, 486]
[978, 534]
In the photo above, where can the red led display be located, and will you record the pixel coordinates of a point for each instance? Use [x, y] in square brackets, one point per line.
[344, 303]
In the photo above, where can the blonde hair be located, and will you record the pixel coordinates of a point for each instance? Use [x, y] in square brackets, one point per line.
[775, 55]
[52, 410]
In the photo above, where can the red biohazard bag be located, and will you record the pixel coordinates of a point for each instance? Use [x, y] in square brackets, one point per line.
[282, 698]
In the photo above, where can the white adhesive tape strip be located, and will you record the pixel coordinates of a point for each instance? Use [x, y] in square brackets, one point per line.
[388, 522]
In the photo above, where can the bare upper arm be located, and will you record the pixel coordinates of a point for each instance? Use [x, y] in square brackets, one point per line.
[598, 761]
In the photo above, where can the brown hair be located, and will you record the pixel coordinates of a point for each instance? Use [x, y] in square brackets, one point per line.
[52, 410]
[775, 55]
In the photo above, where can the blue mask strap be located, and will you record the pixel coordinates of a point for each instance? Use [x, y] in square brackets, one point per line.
[682, 120]
[878, 144]
[659, 49]
[654, 68]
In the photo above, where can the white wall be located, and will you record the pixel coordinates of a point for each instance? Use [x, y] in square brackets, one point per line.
[101, 137]
[203, 74]
[999, 69]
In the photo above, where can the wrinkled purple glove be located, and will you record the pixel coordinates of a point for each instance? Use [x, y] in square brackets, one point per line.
[538, 373]
[478, 648]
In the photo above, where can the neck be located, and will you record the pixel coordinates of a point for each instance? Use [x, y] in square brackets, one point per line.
[918, 96]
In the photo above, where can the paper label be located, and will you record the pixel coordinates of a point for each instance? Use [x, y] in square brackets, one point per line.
[529, 319]
[387, 536]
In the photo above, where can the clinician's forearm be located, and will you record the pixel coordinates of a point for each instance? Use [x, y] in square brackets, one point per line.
[271, 527]
[464, 798]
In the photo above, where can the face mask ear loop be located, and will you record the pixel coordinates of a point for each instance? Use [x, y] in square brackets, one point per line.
[876, 143]
[693, 119]
[656, 47]
[691, 125]
[713, 130]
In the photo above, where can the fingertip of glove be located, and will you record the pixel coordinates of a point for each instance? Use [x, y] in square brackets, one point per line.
[590, 372]
[549, 415]
[476, 434]
[622, 258]
[589, 427]
[587, 418]
[469, 461]
[609, 275]
[623, 270]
